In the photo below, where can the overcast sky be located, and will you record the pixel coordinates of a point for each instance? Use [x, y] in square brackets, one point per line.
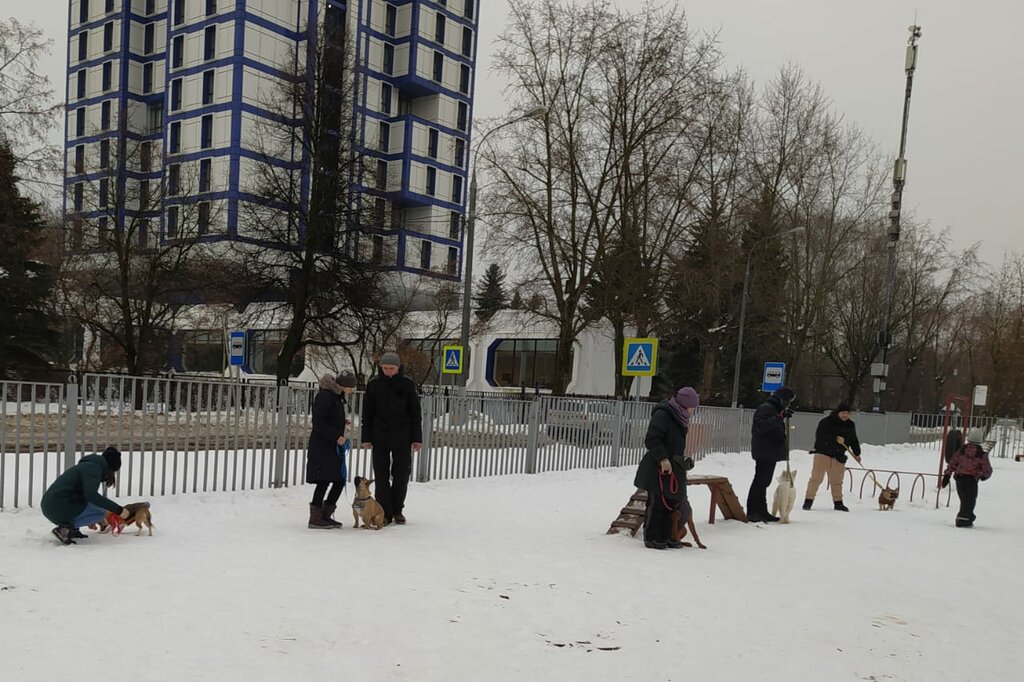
[966, 132]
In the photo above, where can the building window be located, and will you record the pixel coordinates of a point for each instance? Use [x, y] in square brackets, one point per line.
[438, 67]
[205, 175]
[83, 12]
[109, 6]
[467, 41]
[206, 129]
[524, 362]
[384, 136]
[390, 20]
[179, 12]
[385, 98]
[144, 233]
[108, 36]
[203, 224]
[457, 189]
[102, 230]
[78, 202]
[173, 179]
[380, 208]
[431, 180]
[389, 59]
[377, 256]
[211, 7]
[424, 255]
[105, 116]
[147, 77]
[439, 27]
[452, 265]
[382, 174]
[264, 347]
[108, 74]
[150, 7]
[454, 224]
[146, 157]
[460, 153]
[81, 84]
[463, 121]
[177, 52]
[104, 153]
[172, 222]
[143, 195]
[104, 192]
[175, 135]
[464, 78]
[149, 39]
[76, 233]
[80, 158]
[432, 143]
[208, 87]
[80, 122]
[209, 42]
[202, 351]
[470, 9]
[83, 46]
[155, 117]
[175, 94]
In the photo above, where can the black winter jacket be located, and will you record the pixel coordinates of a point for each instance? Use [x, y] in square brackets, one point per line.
[665, 439]
[768, 433]
[323, 463]
[391, 411]
[830, 428]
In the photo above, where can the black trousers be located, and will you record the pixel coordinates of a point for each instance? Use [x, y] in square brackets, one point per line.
[967, 491]
[392, 466]
[757, 498]
[658, 521]
[332, 498]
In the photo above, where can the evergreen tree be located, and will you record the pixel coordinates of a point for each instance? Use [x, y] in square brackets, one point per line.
[491, 296]
[27, 338]
[517, 301]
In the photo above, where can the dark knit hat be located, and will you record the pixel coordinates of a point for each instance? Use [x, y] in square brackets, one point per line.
[346, 379]
[785, 394]
[392, 359]
[844, 407]
[113, 457]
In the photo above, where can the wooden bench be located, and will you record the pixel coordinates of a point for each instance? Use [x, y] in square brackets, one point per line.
[631, 517]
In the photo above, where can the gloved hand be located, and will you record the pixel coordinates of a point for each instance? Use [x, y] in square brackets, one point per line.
[787, 413]
[945, 480]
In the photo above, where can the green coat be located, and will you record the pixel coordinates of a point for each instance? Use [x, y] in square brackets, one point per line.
[666, 438]
[67, 497]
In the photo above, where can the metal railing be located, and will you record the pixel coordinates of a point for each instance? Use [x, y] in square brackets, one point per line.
[1005, 435]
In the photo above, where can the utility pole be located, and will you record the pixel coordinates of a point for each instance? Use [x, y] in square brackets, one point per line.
[880, 369]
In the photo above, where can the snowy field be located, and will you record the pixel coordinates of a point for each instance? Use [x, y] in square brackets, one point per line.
[513, 578]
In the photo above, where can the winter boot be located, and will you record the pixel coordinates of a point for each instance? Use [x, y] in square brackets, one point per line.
[962, 522]
[328, 515]
[316, 519]
[62, 534]
[76, 534]
[839, 506]
[655, 544]
[400, 518]
[807, 504]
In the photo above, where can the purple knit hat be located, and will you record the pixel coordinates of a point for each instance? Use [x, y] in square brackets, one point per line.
[687, 397]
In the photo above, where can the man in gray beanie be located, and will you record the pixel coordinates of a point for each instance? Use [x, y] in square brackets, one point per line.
[393, 427]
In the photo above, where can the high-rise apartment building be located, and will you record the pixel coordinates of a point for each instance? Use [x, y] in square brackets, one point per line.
[166, 99]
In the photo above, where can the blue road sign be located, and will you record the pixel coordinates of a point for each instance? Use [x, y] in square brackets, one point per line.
[236, 348]
[640, 357]
[774, 376]
[452, 360]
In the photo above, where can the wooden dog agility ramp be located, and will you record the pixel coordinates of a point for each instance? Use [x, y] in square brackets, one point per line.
[631, 517]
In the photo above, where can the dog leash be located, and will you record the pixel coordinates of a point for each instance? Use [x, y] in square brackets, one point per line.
[873, 479]
[673, 487]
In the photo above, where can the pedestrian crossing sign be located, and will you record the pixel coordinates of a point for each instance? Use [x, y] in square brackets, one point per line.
[452, 360]
[640, 358]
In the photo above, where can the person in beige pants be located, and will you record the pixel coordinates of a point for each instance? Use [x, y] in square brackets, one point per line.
[835, 437]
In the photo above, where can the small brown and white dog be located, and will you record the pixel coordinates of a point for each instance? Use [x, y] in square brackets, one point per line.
[785, 495]
[678, 530]
[365, 507]
[887, 498]
[138, 513]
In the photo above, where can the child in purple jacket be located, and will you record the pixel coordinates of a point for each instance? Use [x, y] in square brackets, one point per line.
[968, 465]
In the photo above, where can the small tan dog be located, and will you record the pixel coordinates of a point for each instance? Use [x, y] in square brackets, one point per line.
[785, 495]
[138, 513]
[887, 498]
[365, 507]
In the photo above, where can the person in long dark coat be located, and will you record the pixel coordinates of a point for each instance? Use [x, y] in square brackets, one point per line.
[74, 499]
[325, 455]
[835, 436]
[768, 446]
[662, 470]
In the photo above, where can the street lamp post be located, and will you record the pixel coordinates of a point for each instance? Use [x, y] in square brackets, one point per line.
[743, 310]
[467, 272]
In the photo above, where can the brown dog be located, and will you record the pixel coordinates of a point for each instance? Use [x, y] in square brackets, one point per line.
[365, 507]
[138, 513]
[678, 530]
[887, 498]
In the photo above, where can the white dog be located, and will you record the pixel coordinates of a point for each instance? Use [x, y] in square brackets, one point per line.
[785, 496]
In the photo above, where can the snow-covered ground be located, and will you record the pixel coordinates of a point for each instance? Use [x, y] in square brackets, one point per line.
[513, 578]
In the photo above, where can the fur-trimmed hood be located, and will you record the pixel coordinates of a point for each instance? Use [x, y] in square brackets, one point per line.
[330, 383]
